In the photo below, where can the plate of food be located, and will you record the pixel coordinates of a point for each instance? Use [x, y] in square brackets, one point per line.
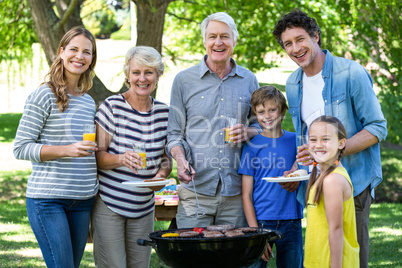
[146, 183]
[298, 175]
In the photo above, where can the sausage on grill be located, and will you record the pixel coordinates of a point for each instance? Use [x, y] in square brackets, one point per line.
[220, 227]
[212, 234]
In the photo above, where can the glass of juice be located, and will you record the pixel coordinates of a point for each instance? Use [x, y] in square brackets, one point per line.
[302, 139]
[89, 132]
[140, 149]
[230, 122]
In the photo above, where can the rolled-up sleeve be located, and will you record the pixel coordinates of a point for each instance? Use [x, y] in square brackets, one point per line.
[368, 111]
[177, 120]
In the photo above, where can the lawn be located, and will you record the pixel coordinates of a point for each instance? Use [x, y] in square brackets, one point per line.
[18, 247]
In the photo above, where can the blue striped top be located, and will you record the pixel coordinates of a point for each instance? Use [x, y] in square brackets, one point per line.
[128, 126]
[43, 124]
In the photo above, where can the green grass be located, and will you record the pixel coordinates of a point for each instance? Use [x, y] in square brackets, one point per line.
[18, 247]
[8, 126]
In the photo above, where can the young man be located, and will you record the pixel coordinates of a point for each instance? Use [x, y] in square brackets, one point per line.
[270, 154]
[329, 85]
[202, 99]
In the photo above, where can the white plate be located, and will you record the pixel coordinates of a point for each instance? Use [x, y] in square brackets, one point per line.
[287, 179]
[148, 183]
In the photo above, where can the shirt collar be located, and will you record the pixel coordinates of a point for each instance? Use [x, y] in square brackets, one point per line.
[204, 68]
[325, 69]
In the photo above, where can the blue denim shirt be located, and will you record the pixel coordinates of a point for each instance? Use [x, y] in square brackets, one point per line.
[348, 95]
[200, 102]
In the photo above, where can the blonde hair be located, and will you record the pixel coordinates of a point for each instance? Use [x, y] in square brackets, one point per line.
[56, 78]
[144, 56]
[313, 176]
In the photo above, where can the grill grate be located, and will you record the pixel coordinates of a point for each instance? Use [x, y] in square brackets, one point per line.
[246, 235]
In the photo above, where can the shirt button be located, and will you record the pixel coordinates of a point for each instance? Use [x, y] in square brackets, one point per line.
[220, 151]
[325, 100]
[221, 115]
[219, 168]
[221, 133]
[222, 99]
[240, 97]
[202, 97]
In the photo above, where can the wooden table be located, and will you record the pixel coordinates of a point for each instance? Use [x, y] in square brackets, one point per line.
[165, 210]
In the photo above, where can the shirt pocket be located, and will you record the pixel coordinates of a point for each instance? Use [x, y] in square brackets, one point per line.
[202, 107]
[239, 107]
[294, 112]
[339, 105]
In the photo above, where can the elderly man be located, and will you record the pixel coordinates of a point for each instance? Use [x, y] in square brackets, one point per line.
[203, 98]
[329, 85]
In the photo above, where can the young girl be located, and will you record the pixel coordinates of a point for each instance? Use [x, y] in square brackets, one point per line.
[331, 239]
[61, 188]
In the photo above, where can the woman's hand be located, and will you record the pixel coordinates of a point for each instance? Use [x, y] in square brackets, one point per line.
[78, 149]
[131, 160]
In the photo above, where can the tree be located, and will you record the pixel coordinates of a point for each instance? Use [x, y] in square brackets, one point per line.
[367, 30]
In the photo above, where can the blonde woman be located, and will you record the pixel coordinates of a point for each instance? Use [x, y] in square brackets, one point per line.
[122, 214]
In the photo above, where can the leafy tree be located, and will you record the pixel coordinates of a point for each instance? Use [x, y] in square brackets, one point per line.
[365, 30]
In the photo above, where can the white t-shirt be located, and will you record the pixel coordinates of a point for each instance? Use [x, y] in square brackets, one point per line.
[312, 105]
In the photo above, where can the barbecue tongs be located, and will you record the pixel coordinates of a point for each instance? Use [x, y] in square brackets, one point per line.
[199, 211]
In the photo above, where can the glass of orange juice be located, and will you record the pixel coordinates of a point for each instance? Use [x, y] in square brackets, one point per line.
[140, 149]
[89, 132]
[230, 122]
[301, 140]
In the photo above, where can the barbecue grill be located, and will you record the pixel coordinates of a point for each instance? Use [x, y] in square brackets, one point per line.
[210, 252]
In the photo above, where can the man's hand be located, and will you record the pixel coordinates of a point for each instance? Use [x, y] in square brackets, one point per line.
[183, 171]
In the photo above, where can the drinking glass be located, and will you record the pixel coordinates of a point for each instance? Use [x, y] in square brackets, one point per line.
[140, 149]
[89, 132]
[302, 139]
[230, 122]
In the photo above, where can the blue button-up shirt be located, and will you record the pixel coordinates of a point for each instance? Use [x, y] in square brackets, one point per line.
[348, 95]
[199, 107]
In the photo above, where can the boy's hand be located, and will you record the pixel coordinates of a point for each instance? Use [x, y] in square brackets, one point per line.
[289, 186]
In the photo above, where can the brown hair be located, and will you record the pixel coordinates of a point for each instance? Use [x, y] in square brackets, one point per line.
[313, 176]
[266, 93]
[56, 78]
[296, 19]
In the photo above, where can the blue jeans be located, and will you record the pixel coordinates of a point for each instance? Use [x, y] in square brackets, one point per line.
[61, 228]
[289, 250]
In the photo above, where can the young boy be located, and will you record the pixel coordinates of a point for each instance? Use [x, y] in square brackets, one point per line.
[270, 154]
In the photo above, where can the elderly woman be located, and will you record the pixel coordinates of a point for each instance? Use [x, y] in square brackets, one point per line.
[122, 214]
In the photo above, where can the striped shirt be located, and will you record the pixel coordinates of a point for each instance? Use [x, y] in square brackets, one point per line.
[128, 126]
[43, 124]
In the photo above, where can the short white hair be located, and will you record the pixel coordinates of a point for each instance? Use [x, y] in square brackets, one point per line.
[144, 56]
[222, 17]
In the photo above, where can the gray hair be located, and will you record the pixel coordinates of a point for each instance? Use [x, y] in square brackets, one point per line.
[222, 17]
[144, 56]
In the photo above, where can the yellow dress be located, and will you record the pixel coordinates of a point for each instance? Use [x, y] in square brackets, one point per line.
[316, 250]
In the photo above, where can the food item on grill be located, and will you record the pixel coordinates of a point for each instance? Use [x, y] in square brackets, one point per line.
[151, 180]
[212, 234]
[189, 234]
[170, 235]
[247, 229]
[220, 227]
[179, 231]
[298, 173]
[198, 230]
[234, 233]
